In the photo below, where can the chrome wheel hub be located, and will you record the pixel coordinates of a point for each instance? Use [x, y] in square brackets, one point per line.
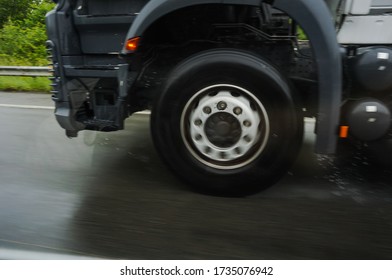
[224, 126]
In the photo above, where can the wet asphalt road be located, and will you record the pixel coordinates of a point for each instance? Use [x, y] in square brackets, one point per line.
[110, 196]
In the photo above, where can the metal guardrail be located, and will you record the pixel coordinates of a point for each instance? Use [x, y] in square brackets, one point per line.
[25, 71]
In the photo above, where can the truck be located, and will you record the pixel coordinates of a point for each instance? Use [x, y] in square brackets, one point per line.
[228, 82]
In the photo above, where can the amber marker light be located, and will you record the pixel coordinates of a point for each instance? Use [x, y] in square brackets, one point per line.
[132, 44]
[343, 131]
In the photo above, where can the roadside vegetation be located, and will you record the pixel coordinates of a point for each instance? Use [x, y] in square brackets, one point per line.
[22, 41]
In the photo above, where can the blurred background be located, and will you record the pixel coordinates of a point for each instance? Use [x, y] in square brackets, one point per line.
[22, 41]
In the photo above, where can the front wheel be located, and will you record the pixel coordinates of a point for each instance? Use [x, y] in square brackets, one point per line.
[227, 123]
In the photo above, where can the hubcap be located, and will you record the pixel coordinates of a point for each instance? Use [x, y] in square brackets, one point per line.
[225, 126]
[223, 130]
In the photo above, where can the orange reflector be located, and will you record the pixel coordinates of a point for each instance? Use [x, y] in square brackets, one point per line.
[132, 44]
[343, 131]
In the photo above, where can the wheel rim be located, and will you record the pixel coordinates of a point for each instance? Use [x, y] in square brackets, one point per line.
[225, 126]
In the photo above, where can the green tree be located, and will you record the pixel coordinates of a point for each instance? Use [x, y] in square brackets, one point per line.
[13, 9]
[22, 39]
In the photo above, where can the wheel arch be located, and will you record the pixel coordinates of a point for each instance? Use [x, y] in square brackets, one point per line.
[154, 10]
[317, 22]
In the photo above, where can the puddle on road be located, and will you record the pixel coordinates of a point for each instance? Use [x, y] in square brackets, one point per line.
[356, 177]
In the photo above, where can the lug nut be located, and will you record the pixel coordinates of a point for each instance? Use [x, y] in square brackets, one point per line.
[247, 123]
[222, 105]
[207, 110]
[247, 139]
[198, 122]
[198, 137]
[237, 111]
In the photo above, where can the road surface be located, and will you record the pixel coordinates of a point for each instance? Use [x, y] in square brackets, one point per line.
[109, 196]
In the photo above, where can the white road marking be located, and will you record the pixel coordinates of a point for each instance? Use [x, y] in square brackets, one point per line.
[13, 254]
[27, 106]
[50, 108]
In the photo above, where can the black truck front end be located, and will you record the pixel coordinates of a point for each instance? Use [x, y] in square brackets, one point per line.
[90, 82]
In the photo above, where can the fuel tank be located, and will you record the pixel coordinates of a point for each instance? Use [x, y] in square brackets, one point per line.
[371, 68]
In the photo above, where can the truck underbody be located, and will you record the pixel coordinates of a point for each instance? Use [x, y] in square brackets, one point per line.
[247, 50]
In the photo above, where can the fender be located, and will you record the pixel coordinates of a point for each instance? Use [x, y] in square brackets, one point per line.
[316, 20]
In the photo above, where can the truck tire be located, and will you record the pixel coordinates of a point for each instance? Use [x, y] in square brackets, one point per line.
[227, 123]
